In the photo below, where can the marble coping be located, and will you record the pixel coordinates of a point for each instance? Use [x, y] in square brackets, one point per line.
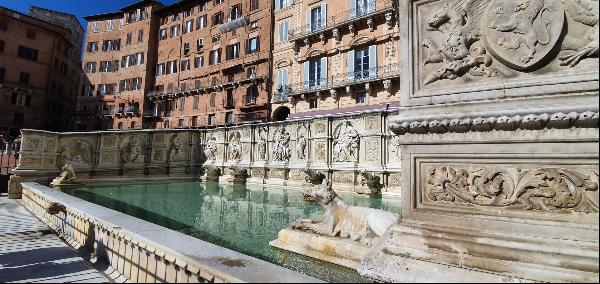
[182, 247]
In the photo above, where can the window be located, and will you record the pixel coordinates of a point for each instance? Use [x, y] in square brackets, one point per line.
[201, 22]
[30, 34]
[111, 45]
[92, 46]
[188, 26]
[180, 123]
[251, 95]
[24, 78]
[217, 2]
[95, 27]
[233, 51]
[171, 67]
[140, 35]
[27, 53]
[120, 127]
[251, 72]
[212, 120]
[175, 31]
[235, 12]
[229, 99]
[110, 25]
[203, 7]
[197, 84]
[186, 48]
[189, 12]
[282, 83]
[132, 126]
[185, 65]
[316, 18]
[160, 69]
[362, 63]
[90, 67]
[359, 8]
[196, 104]
[253, 25]
[1, 46]
[162, 34]
[194, 121]
[313, 103]
[361, 97]
[314, 73]
[283, 31]
[175, 17]
[199, 44]
[130, 85]
[217, 19]
[215, 57]
[128, 39]
[282, 4]
[229, 118]
[253, 45]
[254, 5]
[216, 39]
[2, 74]
[199, 62]
[213, 100]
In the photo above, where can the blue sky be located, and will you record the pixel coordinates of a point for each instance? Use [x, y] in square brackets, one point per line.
[80, 8]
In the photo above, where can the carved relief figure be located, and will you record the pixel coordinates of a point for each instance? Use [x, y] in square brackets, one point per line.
[131, 151]
[301, 147]
[532, 189]
[346, 140]
[176, 150]
[211, 148]
[359, 224]
[77, 153]
[585, 12]
[281, 149]
[262, 143]
[235, 146]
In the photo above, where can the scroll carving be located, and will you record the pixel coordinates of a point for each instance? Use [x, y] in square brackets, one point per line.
[543, 189]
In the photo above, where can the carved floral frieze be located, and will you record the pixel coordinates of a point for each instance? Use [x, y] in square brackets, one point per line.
[541, 189]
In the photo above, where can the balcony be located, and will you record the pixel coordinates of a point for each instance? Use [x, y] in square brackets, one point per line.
[128, 112]
[101, 114]
[206, 86]
[379, 73]
[257, 116]
[341, 19]
[282, 93]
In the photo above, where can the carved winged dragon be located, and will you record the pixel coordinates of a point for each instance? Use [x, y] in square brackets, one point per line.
[585, 12]
[459, 21]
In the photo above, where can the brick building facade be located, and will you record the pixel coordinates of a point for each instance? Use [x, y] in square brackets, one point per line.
[40, 69]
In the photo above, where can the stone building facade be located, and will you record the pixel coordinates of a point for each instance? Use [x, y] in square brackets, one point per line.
[40, 69]
[213, 65]
[334, 57]
[119, 52]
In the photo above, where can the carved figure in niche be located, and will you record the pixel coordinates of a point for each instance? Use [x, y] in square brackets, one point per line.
[281, 150]
[66, 177]
[459, 24]
[235, 146]
[211, 148]
[77, 153]
[262, 143]
[587, 13]
[346, 140]
[132, 151]
[176, 151]
[359, 224]
[301, 147]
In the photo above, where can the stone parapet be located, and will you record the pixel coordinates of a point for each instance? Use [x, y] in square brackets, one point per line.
[143, 252]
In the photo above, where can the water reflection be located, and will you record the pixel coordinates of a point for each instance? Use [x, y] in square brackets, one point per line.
[239, 217]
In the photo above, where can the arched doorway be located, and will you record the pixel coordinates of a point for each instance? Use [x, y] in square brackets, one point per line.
[281, 113]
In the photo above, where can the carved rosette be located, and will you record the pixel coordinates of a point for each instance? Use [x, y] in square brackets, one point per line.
[541, 189]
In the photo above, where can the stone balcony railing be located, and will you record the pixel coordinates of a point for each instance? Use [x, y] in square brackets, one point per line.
[205, 86]
[359, 13]
[386, 72]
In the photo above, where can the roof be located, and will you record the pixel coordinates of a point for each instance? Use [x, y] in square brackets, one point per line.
[174, 6]
[58, 12]
[116, 13]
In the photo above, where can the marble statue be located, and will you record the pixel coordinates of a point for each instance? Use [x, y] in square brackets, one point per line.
[281, 150]
[262, 143]
[235, 146]
[346, 143]
[176, 150]
[359, 224]
[66, 177]
[301, 147]
[211, 148]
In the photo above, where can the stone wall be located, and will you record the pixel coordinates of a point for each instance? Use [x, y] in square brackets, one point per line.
[272, 153]
[143, 252]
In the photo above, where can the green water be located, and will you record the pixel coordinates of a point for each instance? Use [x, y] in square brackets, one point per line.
[241, 218]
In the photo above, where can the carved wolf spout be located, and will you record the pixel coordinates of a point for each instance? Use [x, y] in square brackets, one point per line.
[359, 224]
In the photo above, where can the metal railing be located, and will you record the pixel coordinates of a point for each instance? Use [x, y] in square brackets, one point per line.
[9, 155]
[347, 16]
[95, 113]
[345, 79]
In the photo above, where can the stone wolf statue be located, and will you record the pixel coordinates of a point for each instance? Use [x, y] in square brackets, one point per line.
[359, 224]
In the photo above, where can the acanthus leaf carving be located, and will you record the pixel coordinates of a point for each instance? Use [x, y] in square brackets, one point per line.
[541, 189]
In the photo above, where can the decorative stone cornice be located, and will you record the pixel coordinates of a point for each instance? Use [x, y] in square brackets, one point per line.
[485, 123]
